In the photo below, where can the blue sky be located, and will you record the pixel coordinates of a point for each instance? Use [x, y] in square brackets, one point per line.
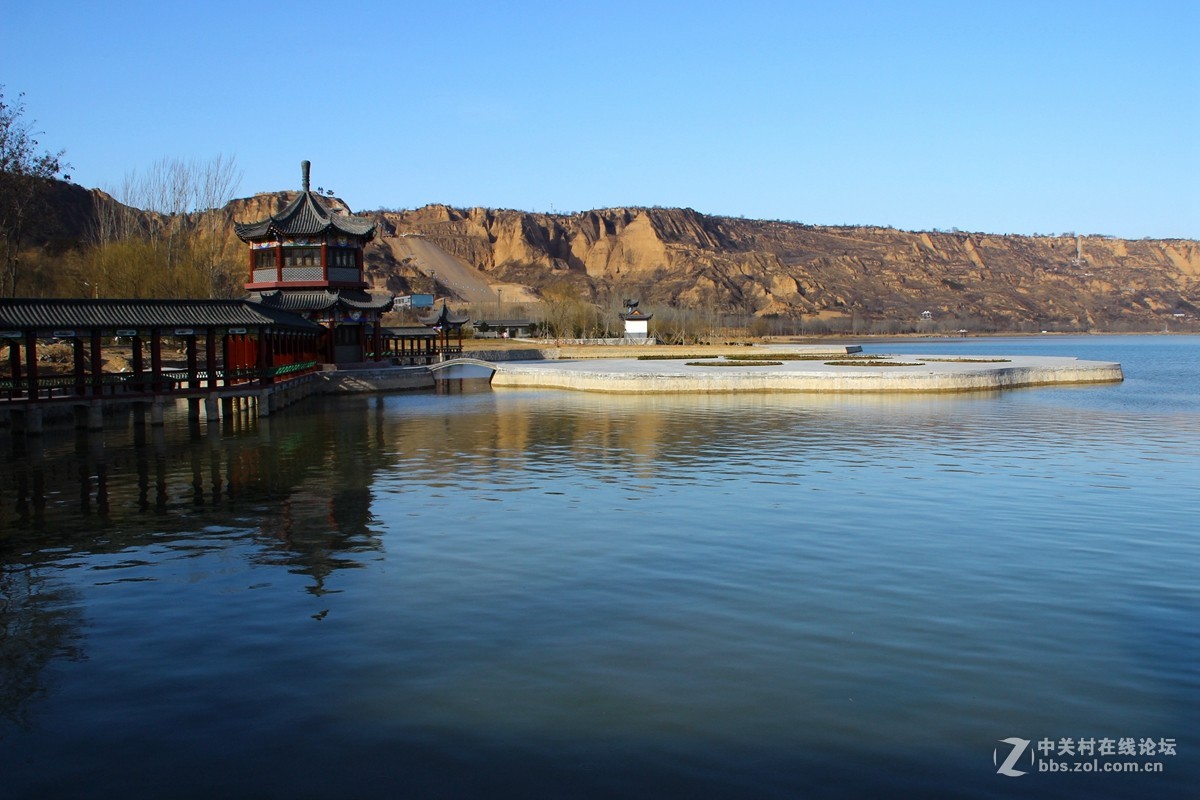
[1004, 117]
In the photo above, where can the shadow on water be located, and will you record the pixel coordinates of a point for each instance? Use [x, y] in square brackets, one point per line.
[40, 622]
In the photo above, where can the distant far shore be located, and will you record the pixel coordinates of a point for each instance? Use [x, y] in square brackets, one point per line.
[735, 345]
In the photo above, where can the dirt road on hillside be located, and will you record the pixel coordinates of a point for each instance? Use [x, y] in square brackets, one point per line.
[461, 279]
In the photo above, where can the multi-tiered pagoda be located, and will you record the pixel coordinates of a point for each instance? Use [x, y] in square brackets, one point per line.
[308, 259]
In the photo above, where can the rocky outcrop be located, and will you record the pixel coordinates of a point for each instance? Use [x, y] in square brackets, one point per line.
[682, 258]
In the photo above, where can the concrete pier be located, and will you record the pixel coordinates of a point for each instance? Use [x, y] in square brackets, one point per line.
[899, 373]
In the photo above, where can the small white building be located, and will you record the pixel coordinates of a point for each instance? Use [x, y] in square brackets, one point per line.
[637, 323]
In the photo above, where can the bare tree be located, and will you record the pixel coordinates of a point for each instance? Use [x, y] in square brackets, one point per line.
[218, 180]
[565, 314]
[24, 176]
[190, 198]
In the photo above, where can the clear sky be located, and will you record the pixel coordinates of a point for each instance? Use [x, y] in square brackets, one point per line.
[1005, 116]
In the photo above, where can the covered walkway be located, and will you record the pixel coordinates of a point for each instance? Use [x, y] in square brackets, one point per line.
[168, 348]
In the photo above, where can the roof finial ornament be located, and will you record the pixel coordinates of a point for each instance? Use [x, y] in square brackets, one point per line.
[304, 168]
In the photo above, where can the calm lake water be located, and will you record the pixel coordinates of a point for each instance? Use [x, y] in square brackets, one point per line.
[548, 594]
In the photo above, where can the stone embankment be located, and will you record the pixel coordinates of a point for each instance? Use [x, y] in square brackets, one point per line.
[895, 374]
[723, 369]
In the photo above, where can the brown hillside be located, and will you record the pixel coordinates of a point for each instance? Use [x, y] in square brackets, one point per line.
[683, 258]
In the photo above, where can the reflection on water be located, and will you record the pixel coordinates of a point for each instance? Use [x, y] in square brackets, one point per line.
[530, 593]
[40, 622]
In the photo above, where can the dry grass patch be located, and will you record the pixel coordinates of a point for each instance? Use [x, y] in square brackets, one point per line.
[735, 362]
[972, 360]
[874, 363]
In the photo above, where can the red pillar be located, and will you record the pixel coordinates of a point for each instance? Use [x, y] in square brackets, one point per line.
[31, 370]
[14, 363]
[139, 366]
[247, 354]
[156, 384]
[249, 357]
[97, 364]
[232, 355]
[192, 362]
[78, 366]
[265, 356]
[210, 357]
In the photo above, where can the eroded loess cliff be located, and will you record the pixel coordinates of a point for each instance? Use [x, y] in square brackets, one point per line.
[683, 258]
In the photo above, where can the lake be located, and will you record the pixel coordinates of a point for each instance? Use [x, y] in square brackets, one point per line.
[503, 593]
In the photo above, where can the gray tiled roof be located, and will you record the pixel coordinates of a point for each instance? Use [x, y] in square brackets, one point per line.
[321, 299]
[444, 317]
[307, 300]
[504, 323]
[307, 215]
[410, 331]
[88, 314]
[358, 298]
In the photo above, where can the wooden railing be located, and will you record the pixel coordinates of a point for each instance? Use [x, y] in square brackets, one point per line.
[173, 381]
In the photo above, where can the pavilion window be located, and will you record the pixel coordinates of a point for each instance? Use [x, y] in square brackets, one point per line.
[265, 258]
[302, 257]
[342, 257]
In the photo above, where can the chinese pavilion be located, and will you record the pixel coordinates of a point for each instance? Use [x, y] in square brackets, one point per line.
[308, 259]
[442, 324]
